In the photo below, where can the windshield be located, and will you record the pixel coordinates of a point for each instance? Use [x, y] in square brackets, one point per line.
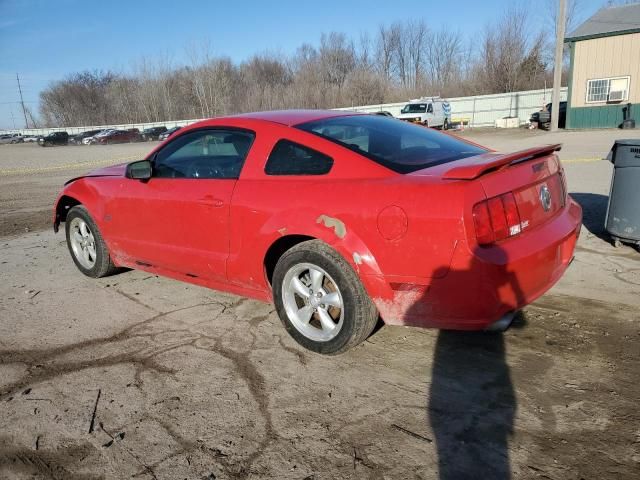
[399, 146]
[415, 108]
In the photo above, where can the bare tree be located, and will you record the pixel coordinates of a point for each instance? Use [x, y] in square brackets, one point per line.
[417, 37]
[444, 58]
[386, 46]
[402, 60]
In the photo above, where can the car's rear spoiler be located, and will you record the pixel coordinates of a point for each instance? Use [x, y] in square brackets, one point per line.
[473, 167]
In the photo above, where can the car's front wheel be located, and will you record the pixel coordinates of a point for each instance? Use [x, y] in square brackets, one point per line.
[320, 299]
[86, 245]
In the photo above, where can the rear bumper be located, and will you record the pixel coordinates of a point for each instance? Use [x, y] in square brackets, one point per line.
[485, 284]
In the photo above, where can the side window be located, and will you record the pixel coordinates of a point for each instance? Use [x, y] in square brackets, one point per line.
[430, 108]
[288, 158]
[209, 153]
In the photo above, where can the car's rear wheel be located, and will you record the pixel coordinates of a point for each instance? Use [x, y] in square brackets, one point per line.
[86, 245]
[320, 299]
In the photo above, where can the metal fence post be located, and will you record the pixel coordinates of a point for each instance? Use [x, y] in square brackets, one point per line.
[473, 114]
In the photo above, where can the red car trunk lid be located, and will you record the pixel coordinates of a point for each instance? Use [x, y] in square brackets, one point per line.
[535, 179]
[534, 176]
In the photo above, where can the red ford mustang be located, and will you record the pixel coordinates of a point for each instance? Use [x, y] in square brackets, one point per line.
[339, 218]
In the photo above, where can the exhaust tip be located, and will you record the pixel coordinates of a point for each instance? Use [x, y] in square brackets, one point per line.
[503, 323]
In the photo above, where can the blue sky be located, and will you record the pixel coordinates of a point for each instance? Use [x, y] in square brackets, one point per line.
[44, 40]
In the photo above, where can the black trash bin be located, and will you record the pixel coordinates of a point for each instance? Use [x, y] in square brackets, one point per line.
[623, 211]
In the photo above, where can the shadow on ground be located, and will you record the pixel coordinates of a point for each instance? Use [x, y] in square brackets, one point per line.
[472, 400]
[594, 211]
[472, 405]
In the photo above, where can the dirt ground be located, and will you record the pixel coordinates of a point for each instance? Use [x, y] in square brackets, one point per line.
[136, 376]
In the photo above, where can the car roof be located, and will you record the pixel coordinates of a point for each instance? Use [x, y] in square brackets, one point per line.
[294, 117]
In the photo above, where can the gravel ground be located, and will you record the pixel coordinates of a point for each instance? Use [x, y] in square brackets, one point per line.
[135, 376]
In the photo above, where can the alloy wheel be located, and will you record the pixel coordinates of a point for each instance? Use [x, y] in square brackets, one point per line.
[313, 302]
[83, 243]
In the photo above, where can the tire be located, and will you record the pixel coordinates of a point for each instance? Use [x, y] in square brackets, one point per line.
[353, 321]
[98, 262]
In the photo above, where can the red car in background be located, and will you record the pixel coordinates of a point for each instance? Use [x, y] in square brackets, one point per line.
[338, 218]
[120, 136]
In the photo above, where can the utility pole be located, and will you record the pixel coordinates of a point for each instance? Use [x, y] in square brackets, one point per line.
[26, 123]
[557, 68]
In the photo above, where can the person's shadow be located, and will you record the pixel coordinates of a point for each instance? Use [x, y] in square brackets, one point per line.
[472, 402]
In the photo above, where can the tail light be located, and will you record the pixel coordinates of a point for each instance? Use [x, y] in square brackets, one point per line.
[563, 185]
[496, 219]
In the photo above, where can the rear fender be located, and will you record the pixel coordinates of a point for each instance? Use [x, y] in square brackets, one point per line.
[393, 300]
[332, 230]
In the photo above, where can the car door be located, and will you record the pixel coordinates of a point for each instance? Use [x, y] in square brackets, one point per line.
[179, 219]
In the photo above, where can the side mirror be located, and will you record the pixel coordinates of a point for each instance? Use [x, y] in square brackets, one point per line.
[140, 170]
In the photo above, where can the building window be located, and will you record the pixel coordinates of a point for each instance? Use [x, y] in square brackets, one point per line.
[608, 89]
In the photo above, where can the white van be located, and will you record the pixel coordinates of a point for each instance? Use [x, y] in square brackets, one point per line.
[431, 112]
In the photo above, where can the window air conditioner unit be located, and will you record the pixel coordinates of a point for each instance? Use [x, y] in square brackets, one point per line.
[616, 96]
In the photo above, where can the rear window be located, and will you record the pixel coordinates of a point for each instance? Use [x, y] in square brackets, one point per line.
[397, 145]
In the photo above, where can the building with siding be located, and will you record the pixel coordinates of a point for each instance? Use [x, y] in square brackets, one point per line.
[604, 73]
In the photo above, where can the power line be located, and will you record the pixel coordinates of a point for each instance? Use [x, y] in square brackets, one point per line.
[11, 103]
[24, 110]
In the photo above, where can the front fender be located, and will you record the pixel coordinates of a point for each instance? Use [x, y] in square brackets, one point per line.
[79, 192]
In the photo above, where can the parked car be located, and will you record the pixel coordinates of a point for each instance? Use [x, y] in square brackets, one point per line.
[120, 136]
[149, 134]
[336, 217]
[168, 133]
[430, 112]
[79, 137]
[30, 138]
[55, 138]
[11, 138]
[94, 139]
[543, 117]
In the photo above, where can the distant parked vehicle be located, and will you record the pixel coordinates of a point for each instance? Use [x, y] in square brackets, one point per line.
[153, 133]
[30, 138]
[94, 139]
[543, 117]
[79, 137]
[120, 136]
[168, 133]
[430, 112]
[11, 138]
[55, 138]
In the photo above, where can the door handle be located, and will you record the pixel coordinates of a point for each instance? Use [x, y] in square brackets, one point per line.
[211, 201]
